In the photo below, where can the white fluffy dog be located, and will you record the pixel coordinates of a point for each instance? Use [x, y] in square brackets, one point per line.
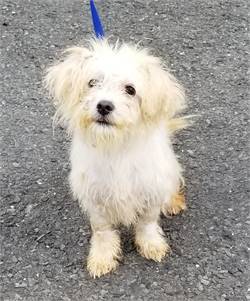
[119, 103]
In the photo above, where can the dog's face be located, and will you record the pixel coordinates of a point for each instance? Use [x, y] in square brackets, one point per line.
[110, 92]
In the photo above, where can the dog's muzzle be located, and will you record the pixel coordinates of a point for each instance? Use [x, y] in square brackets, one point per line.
[104, 108]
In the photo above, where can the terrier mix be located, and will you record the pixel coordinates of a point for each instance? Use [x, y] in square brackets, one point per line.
[119, 103]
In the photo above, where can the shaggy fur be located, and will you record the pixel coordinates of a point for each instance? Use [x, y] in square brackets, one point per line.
[123, 168]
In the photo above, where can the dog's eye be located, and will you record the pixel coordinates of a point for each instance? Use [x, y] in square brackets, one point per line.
[92, 83]
[130, 90]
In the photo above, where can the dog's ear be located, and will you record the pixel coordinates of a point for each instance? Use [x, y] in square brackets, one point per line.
[65, 80]
[164, 97]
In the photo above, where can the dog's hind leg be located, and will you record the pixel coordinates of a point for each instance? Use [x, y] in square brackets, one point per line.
[176, 205]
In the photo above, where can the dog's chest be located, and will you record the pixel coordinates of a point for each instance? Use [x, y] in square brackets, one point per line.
[146, 171]
[124, 173]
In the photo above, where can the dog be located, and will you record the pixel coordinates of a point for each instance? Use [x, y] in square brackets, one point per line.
[121, 105]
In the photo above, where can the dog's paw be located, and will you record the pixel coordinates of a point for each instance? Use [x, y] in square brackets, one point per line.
[155, 248]
[176, 205]
[98, 266]
[105, 251]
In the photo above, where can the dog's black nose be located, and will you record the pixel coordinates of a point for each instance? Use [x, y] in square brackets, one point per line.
[104, 107]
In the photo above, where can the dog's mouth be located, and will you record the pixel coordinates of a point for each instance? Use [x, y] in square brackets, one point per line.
[103, 122]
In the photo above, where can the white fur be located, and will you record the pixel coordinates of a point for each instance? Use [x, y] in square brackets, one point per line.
[121, 172]
[127, 180]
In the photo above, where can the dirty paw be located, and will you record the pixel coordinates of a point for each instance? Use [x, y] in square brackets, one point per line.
[176, 205]
[101, 266]
[156, 249]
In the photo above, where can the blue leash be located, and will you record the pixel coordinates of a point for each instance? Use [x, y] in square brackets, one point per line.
[97, 24]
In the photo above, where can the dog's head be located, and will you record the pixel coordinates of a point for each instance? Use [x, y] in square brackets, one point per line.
[109, 92]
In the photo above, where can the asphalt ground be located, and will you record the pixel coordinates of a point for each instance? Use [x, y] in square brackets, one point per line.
[44, 238]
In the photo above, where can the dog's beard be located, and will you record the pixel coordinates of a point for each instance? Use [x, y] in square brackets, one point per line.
[103, 132]
[103, 122]
[106, 135]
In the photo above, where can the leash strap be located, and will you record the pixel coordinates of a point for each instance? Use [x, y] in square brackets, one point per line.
[97, 24]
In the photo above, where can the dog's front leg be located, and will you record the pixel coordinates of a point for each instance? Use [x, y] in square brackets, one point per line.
[149, 237]
[105, 249]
